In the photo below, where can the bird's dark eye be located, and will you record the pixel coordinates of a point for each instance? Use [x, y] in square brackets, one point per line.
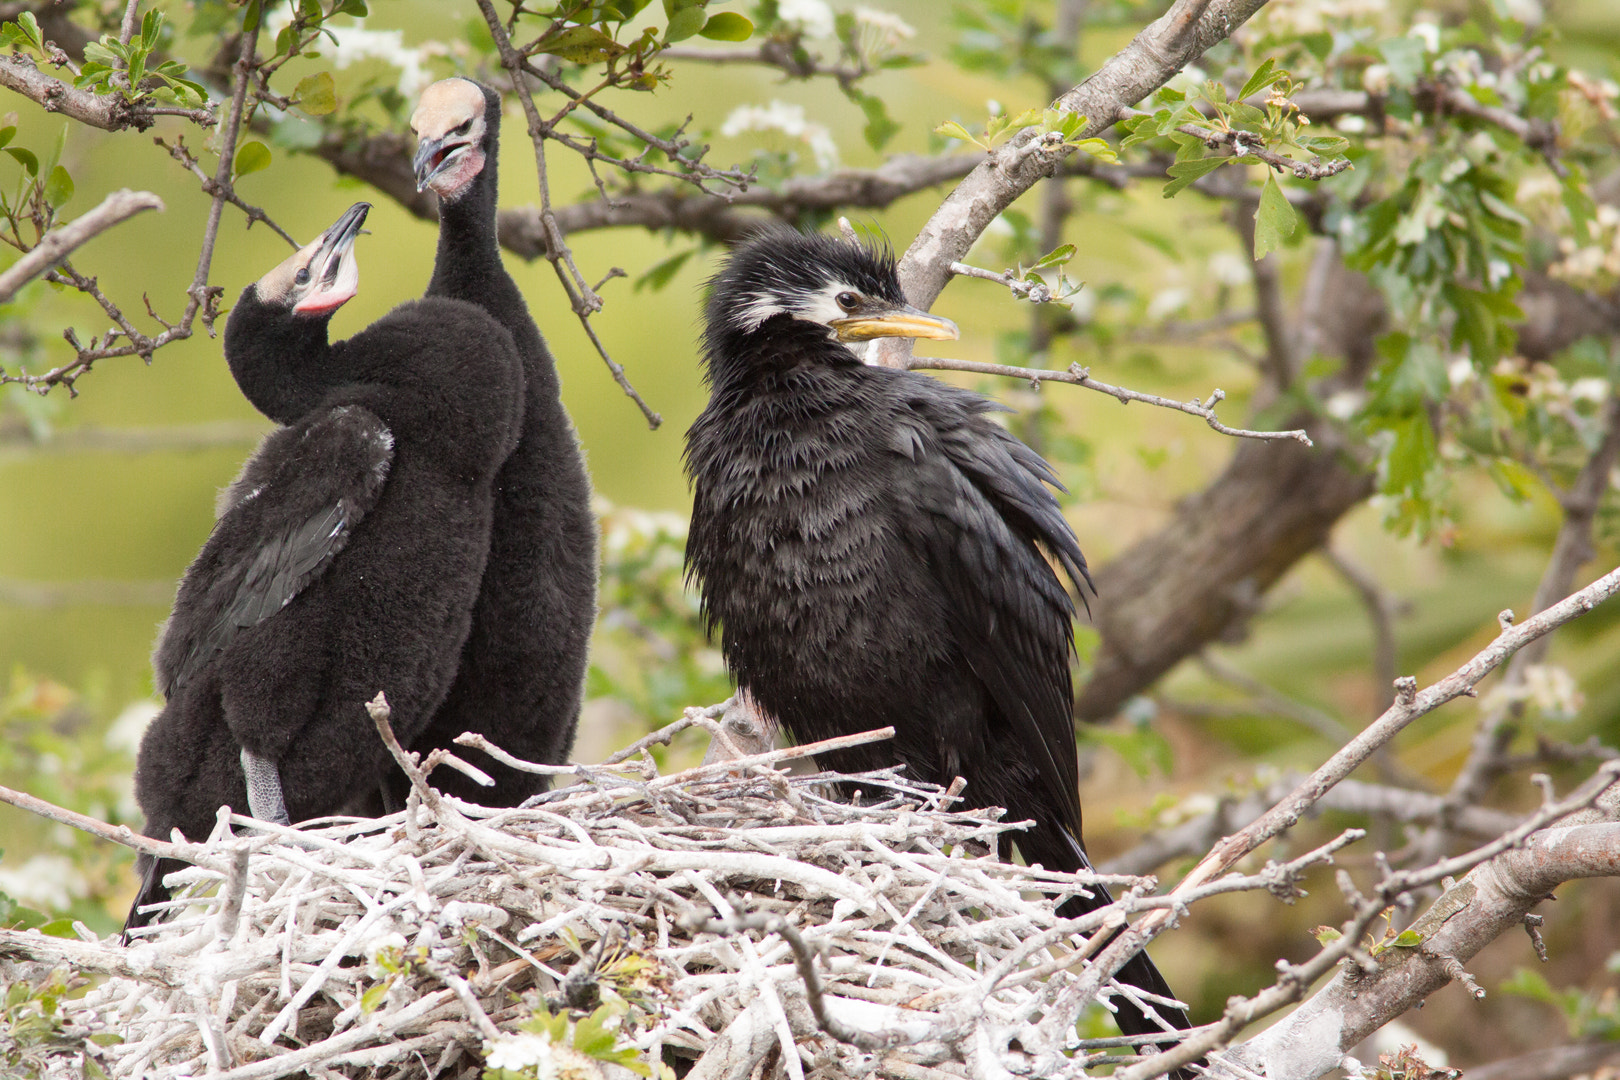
[465, 126]
[847, 300]
[302, 277]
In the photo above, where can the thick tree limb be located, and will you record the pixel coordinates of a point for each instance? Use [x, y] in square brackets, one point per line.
[110, 112]
[1553, 1063]
[1176, 591]
[1172, 41]
[55, 245]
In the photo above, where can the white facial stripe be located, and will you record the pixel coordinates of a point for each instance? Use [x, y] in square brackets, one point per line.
[820, 306]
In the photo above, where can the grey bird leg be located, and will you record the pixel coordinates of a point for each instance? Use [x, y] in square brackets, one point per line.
[265, 801]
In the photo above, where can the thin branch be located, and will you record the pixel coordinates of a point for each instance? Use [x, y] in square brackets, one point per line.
[1075, 375]
[1409, 705]
[55, 246]
[581, 297]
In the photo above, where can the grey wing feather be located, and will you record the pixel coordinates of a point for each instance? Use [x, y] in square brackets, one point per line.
[310, 486]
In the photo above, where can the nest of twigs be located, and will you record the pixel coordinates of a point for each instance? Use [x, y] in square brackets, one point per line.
[727, 921]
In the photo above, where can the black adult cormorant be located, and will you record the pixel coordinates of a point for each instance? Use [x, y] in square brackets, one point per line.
[347, 559]
[523, 669]
[869, 543]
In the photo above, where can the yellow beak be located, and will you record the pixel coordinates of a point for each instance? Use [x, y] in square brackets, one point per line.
[900, 322]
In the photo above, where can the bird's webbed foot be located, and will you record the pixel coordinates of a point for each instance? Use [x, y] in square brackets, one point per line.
[265, 800]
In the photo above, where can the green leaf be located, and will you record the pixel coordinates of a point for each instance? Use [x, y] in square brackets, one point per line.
[7, 134]
[684, 23]
[1411, 455]
[1320, 44]
[880, 127]
[952, 130]
[1408, 939]
[1097, 148]
[316, 94]
[30, 28]
[59, 187]
[1264, 76]
[727, 26]
[583, 45]
[1142, 748]
[1513, 479]
[250, 18]
[25, 158]
[1185, 172]
[591, 1036]
[1055, 257]
[662, 273]
[151, 27]
[251, 157]
[372, 999]
[357, 8]
[1275, 220]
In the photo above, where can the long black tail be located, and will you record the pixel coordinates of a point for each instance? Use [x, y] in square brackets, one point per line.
[1056, 848]
[151, 871]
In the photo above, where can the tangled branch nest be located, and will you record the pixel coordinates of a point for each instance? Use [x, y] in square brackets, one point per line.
[732, 920]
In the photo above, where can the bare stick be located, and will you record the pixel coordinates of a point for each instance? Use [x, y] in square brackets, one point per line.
[1076, 375]
[1409, 705]
[55, 245]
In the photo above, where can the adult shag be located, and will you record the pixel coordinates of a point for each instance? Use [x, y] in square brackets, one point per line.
[869, 543]
[346, 560]
[523, 669]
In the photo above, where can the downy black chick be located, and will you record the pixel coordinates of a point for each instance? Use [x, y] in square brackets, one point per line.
[346, 560]
[523, 669]
[870, 545]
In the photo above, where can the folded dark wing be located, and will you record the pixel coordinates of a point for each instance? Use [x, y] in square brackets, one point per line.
[978, 509]
[293, 509]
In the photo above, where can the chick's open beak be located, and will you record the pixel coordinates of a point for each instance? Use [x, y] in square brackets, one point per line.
[434, 156]
[905, 321]
[334, 265]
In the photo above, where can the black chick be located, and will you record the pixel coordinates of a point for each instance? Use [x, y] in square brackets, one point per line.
[346, 561]
[523, 669]
[869, 543]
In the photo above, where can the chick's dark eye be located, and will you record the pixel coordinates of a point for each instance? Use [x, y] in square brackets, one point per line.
[847, 300]
[465, 126]
[302, 277]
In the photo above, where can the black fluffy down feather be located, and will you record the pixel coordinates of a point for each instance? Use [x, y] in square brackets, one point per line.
[869, 543]
[346, 561]
[522, 673]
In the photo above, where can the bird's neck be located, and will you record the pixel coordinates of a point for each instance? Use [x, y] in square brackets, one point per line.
[743, 362]
[468, 262]
[281, 361]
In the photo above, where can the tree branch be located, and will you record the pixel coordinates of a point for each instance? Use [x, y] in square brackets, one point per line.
[109, 112]
[55, 246]
[1172, 41]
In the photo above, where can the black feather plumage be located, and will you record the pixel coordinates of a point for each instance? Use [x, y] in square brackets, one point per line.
[346, 561]
[869, 543]
[522, 672]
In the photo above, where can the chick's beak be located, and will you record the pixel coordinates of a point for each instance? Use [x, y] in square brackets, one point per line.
[334, 265]
[434, 156]
[905, 321]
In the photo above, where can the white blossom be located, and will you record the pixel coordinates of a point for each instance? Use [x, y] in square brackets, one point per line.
[46, 882]
[881, 31]
[126, 731]
[812, 17]
[789, 120]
